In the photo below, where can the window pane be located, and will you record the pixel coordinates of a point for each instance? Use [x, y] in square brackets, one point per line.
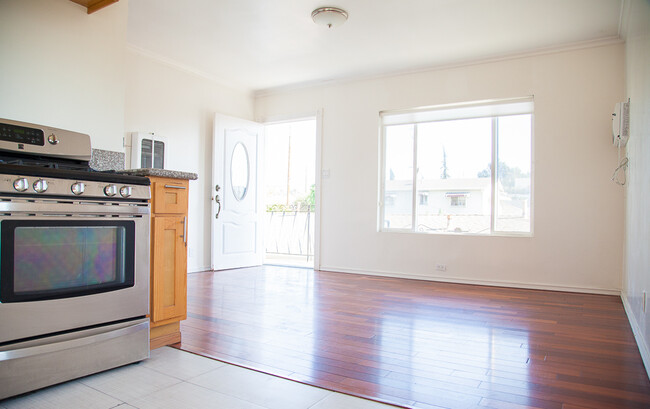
[513, 174]
[159, 155]
[52, 258]
[146, 154]
[452, 160]
[398, 178]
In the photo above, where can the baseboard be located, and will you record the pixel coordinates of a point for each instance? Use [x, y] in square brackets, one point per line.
[199, 270]
[492, 283]
[641, 342]
[169, 339]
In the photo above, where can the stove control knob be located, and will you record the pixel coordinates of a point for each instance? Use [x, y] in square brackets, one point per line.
[53, 140]
[126, 191]
[110, 190]
[21, 184]
[78, 188]
[40, 186]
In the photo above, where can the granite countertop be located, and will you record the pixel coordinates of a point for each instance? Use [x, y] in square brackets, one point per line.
[163, 173]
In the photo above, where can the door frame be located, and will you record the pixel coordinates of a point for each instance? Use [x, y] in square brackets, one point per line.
[318, 116]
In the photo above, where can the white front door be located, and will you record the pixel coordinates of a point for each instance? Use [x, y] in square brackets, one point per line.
[236, 204]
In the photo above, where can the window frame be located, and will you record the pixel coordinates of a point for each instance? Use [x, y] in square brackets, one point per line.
[422, 112]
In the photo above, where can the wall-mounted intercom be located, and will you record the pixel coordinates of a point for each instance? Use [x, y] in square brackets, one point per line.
[621, 124]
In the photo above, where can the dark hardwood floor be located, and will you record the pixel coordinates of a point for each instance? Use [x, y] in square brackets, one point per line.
[418, 343]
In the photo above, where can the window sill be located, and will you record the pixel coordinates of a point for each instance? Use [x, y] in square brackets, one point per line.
[458, 234]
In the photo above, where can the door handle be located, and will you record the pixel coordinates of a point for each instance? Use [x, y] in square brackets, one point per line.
[216, 199]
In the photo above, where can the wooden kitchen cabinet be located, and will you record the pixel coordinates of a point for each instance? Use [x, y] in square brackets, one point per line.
[168, 259]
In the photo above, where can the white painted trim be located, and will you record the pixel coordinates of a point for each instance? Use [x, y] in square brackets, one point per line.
[200, 270]
[279, 119]
[623, 19]
[319, 184]
[641, 342]
[494, 165]
[318, 117]
[505, 57]
[491, 283]
[186, 68]
[381, 179]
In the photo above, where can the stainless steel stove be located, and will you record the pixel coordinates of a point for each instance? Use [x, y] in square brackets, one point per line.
[74, 265]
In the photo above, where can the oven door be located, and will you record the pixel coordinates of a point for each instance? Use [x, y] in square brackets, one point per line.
[49, 259]
[74, 265]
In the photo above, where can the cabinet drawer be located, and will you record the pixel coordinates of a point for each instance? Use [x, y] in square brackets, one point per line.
[170, 196]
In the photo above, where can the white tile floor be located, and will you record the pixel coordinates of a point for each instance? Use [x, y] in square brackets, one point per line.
[175, 379]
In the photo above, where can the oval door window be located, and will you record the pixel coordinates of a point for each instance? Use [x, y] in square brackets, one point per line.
[239, 171]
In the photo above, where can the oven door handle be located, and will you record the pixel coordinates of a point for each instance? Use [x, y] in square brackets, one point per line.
[184, 236]
[86, 209]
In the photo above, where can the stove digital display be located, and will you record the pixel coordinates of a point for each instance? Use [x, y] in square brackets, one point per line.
[21, 134]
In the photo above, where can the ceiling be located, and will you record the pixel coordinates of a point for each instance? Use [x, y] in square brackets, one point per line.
[268, 44]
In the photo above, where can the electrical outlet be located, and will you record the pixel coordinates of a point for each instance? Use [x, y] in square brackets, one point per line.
[190, 252]
[441, 267]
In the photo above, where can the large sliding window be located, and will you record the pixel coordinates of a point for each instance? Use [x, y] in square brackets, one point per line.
[462, 168]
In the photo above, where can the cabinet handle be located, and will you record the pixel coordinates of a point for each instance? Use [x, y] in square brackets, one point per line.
[174, 187]
[184, 236]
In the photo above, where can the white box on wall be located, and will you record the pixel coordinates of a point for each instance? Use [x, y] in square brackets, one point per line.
[147, 150]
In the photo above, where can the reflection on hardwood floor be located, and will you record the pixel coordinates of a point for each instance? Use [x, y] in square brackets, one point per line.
[418, 343]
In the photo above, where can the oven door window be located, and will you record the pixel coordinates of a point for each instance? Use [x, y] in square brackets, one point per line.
[46, 259]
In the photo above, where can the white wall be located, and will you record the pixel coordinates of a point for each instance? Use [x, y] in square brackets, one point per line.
[637, 223]
[61, 67]
[181, 106]
[578, 211]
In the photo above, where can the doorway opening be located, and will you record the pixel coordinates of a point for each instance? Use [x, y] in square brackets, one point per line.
[290, 192]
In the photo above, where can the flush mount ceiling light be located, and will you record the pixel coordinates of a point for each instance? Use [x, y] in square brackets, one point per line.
[329, 16]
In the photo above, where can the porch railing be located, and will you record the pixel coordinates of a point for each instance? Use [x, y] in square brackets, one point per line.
[290, 232]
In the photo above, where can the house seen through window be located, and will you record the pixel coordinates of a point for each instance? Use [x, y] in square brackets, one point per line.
[457, 200]
[464, 168]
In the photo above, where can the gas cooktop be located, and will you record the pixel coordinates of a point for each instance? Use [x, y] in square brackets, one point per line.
[41, 160]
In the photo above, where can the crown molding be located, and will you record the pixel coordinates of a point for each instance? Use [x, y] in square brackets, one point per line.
[623, 19]
[186, 68]
[504, 57]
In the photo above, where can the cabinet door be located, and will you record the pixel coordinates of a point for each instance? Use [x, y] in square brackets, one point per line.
[169, 268]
